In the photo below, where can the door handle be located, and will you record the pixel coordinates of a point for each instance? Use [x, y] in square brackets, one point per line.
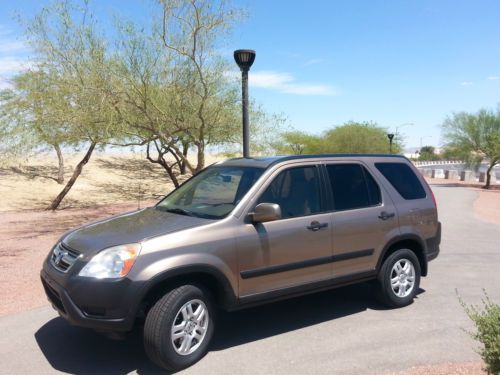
[316, 225]
[386, 215]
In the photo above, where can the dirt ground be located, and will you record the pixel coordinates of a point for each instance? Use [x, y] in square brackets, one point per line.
[106, 179]
[487, 204]
[467, 368]
[109, 185]
[26, 238]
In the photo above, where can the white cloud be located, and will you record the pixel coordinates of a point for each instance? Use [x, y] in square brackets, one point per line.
[493, 78]
[5, 83]
[466, 83]
[285, 83]
[9, 46]
[4, 30]
[312, 62]
[9, 65]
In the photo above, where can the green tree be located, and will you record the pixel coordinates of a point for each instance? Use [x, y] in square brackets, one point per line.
[28, 120]
[357, 138]
[475, 136]
[298, 142]
[428, 153]
[71, 56]
[176, 93]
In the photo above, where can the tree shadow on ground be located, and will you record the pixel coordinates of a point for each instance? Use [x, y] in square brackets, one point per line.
[146, 181]
[80, 351]
[32, 172]
[131, 168]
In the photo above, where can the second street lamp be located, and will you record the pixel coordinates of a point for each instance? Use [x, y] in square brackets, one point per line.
[245, 58]
[390, 136]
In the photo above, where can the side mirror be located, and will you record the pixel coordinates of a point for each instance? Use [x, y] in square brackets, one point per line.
[265, 212]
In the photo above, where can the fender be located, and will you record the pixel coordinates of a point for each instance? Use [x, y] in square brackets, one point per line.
[227, 295]
[406, 237]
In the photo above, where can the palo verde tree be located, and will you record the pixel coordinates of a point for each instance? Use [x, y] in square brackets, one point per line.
[175, 91]
[72, 57]
[29, 117]
[475, 136]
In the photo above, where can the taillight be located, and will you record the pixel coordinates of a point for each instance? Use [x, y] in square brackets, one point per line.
[432, 193]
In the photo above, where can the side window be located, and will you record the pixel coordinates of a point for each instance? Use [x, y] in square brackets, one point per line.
[352, 187]
[296, 190]
[373, 189]
[403, 179]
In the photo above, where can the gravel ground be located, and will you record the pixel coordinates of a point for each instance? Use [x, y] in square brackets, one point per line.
[467, 368]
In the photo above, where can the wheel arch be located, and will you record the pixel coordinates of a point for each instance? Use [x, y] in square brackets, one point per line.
[411, 242]
[205, 276]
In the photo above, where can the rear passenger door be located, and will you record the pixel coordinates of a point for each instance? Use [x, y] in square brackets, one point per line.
[416, 209]
[363, 218]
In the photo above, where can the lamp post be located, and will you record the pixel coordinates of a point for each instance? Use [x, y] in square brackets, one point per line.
[245, 58]
[390, 136]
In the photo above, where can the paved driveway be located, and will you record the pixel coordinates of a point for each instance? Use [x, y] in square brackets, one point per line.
[344, 331]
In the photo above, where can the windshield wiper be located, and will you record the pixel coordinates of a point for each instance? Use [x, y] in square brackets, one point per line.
[180, 211]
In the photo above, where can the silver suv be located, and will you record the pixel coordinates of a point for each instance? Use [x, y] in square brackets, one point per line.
[244, 232]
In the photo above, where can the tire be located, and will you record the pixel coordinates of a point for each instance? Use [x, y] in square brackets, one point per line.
[177, 347]
[399, 278]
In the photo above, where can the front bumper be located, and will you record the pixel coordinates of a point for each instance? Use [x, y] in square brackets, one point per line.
[104, 305]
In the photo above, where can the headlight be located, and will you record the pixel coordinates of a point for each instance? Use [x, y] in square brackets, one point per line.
[112, 263]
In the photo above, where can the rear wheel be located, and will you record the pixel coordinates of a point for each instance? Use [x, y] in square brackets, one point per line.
[179, 327]
[399, 278]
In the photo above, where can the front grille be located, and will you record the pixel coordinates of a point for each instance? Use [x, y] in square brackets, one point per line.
[53, 296]
[63, 257]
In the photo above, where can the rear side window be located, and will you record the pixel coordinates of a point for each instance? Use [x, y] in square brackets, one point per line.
[352, 187]
[403, 179]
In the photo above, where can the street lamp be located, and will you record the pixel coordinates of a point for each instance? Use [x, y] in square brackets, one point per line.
[245, 58]
[390, 136]
[394, 135]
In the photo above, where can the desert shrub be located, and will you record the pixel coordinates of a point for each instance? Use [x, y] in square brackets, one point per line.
[486, 318]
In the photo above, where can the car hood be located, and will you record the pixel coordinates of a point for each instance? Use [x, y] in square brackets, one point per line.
[127, 228]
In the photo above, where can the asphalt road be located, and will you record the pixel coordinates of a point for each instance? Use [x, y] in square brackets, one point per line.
[344, 331]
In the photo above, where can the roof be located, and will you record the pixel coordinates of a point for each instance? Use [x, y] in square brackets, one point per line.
[266, 162]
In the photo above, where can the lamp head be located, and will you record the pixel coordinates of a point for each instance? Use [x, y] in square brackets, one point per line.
[244, 58]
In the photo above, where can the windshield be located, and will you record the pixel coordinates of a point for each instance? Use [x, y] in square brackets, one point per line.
[211, 194]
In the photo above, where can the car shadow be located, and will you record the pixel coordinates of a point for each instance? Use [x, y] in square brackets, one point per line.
[81, 351]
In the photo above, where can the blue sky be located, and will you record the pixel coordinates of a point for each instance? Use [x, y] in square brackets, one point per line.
[323, 63]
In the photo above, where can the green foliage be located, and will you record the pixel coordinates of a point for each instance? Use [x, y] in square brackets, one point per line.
[474, 137]
[297, 142]
[357, 138]
[352, 138]
[428, 153]
[487, 322]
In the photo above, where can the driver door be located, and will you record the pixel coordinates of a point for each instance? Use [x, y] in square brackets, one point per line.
[295, 249]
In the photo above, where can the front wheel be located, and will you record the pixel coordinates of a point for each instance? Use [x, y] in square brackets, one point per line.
[179, 327]
[399, 278]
